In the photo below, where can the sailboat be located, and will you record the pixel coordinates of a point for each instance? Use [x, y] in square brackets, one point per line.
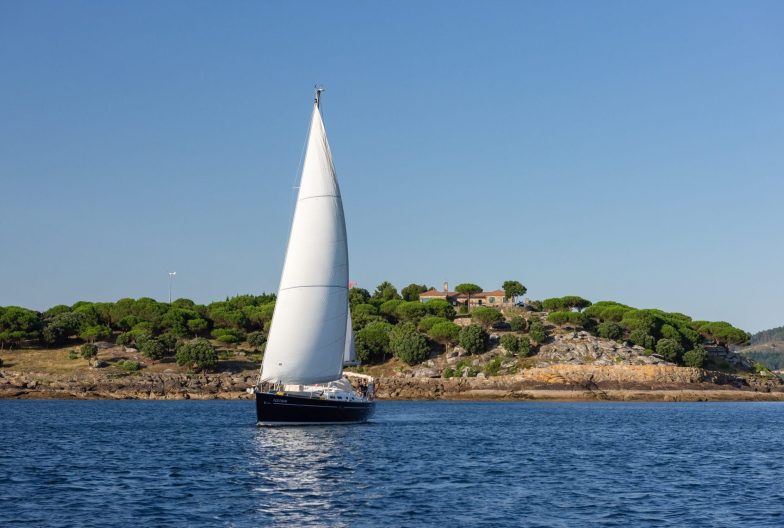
[310, 339]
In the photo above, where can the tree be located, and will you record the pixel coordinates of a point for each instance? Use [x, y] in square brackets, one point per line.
[385, 291]
[408, 345]
[440, 308]
[640, 338]
[669, 349]
[198, 326]
[88, 351]
[412, 291]
[153, 349]
[358, 296]
[389, 308]
[197, 354]
[553, 304]
[18, 324]
[575, 302]
[513, 289]
[575, 319]
[426, 323]
[609, 330]
[486, 316]
[695, 358]
[95, 333]
[59, 328]
[473, 338]
[372, 342]
[468, 289]
[410, 311]
[445, 332]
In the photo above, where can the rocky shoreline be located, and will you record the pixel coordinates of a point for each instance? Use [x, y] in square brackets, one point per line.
[561, 382]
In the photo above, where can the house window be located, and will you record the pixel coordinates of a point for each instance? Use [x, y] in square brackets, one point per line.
[491, 300]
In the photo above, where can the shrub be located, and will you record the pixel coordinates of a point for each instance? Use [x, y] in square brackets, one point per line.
[198, 354]
[88, 351]
[449, 372]
[695, 358]
[537, 332]
[129, 365]
[518, 323]
[256, 339]
[169, 342]
[493, 367]
[153, 349]
[228, 335]
[669, 349]
[446, 332]
[609, 330]
[523, 346]
[511, 343]
[641, 338]
[124, 339]
[372, 342]
[408, 345]
[473, 338]
[73, 354]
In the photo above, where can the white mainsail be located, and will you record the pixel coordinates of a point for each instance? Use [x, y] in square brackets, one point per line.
[307, 338]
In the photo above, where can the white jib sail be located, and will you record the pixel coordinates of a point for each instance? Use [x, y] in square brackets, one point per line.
[307, 336]
[350, 352]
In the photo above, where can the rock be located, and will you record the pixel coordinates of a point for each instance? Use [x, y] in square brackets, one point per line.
[429, 363]
[130, 350]
[460, 351]
[99, 363]
[426, 373]
[481, 375]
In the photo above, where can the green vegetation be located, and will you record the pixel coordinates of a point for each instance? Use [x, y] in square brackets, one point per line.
[468, 289]
[486, 316]
[473, 338]
[407, 344]
[492, 367]
[695, 358]
[386, 323]
[513, 289]
[562, 304]
[197, 354]
[372, 342]
[446, 333]
[412, 291]
[88, 351]
[537, 332]
[129, 365]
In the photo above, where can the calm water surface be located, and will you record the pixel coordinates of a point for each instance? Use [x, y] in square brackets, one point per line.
[191, 463]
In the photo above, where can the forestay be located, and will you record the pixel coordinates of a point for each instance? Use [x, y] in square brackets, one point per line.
[307, 339]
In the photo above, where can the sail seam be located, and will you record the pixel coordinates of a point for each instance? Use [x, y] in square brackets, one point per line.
[320, 196]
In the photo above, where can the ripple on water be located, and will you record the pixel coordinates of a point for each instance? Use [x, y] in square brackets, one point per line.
[102, 463]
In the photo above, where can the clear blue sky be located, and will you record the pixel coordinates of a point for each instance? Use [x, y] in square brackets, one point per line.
[631, 151]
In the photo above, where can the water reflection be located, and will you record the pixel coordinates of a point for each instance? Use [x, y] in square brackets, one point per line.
[305, 474]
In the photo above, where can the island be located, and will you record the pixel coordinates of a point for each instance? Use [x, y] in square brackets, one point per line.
[419, 343]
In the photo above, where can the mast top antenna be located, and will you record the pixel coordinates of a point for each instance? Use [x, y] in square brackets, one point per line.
[318, 89]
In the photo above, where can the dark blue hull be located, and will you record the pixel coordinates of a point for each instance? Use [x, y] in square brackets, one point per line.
[276, 409]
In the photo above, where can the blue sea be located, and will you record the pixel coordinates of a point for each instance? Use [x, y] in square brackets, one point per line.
[205, 463]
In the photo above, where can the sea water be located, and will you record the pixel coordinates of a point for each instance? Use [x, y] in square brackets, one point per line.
[205, 463]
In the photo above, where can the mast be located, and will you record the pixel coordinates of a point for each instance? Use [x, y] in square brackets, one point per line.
[307, 337]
